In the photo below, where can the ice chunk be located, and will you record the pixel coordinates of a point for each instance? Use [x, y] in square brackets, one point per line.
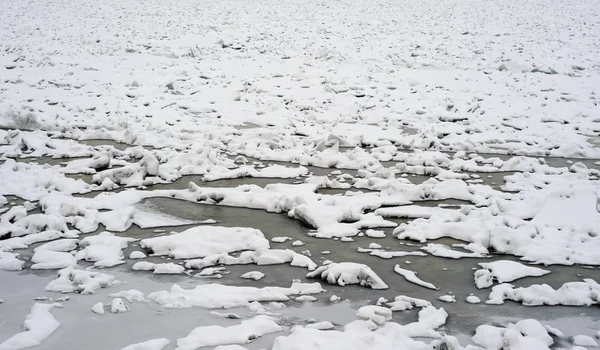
[38, 325]
[348, 273]
[448, 298]
[168, 269]
[216, 296]
[323, 325]
[98, 308]
[255, 275]
[130, 295]
[104, 249]
[238, 334]
[137, 255]
[118, 306]
[472, 299]
[411, 276]
[504, 271]
[82, 281]
[584, 340]
[48, 259]
[198, 242]
[572, 293]
[152, 344]
[377, 314]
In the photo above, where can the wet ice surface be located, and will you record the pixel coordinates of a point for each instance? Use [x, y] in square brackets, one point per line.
[377, 144]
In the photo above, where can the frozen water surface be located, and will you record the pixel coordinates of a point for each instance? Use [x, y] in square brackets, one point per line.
[454, 140]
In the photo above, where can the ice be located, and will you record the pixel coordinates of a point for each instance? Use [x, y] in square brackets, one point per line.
[305, 298]
[504, 271]
[254, 275]
[9, 261]
[448, 298]
[323, 325]
[168, 269]
[403, 302]
[411, 276]
[137, 255]
[152, 344]
[81, 281]
[348, 273]
[118, 306]
[377, 314]
[472, 299]
[33, 181]
[571, 293]
[280, 239]
[48, 259]
[584, 340]
[242, 333]
[39, 324]
[104, 249]
[198, 242]
[130, 295]
[98, 308]
[59, 245]
[525, 334]
[214, 296]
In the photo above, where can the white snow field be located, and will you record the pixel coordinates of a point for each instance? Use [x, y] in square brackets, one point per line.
[234, 174]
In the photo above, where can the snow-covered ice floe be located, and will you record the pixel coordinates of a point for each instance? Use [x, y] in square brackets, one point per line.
[456, 133]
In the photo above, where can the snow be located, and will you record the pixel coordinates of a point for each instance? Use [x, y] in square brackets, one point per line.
[48, 259]
[504, 271]
[411, 276]
[39, 324]
[214, 296]
[254, 275]
[152, 344]
[323, 325]
[118, 306]
[584, 340]
[448, 298]
[377, 314]
[242, 333]
[472, 299]
[571, 293]
[130, 295]
[9, 262]
[81, 281]
[198, 242]
[98, 308]
[348, 273]
[137, 255]
[344, 117]
[525, 334]
[104, 249]
[168, 269]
